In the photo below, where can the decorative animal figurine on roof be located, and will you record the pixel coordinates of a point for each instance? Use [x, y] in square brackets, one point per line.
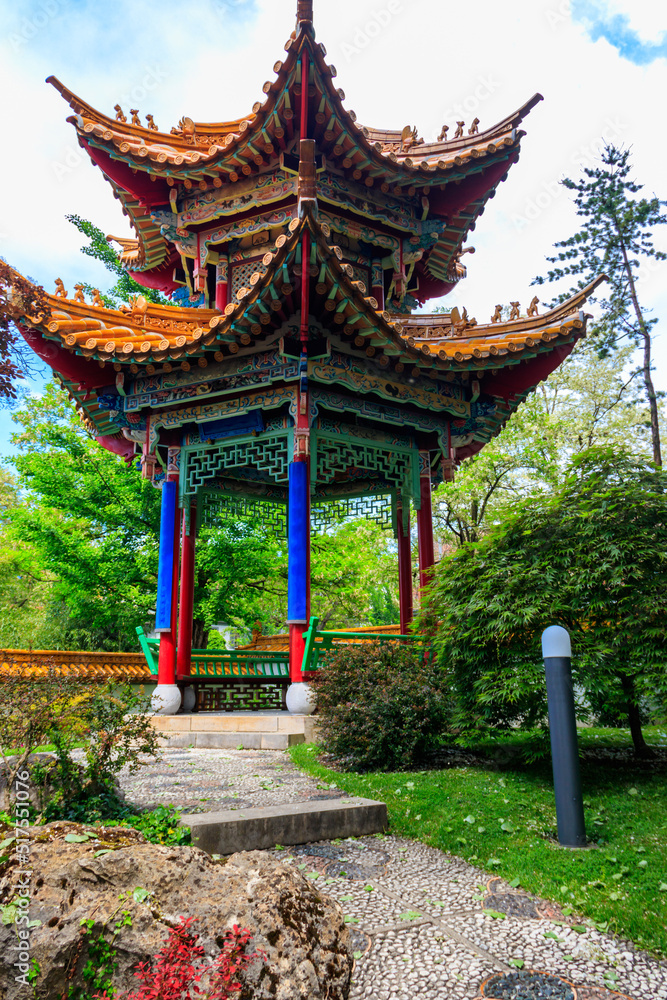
[516, 310]
[459, 130]
[60, 289]
[151, 124]
[97, 301]
[135, 116]
[187, 127]
[498, 314]
[120, 117]
[408, 138]
[78, 294]
[474, 128]
[137, 305]
[532, 308]
[443, 133]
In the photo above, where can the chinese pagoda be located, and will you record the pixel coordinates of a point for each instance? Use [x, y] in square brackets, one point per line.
[292, 375]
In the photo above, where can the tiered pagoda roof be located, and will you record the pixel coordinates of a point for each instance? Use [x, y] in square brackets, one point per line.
[144, 165]
[381, 214]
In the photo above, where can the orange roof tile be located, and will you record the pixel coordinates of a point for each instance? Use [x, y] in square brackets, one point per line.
[152, 334]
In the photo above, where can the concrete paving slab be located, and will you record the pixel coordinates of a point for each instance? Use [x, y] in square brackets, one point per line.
[281, 741]
[228, 741]
[301, 823]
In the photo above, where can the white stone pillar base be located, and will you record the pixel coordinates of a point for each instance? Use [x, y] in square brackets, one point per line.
[189, 699]
[166, 699]
[301, 699]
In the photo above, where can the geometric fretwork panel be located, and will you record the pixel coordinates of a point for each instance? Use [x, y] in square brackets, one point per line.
[219, 508]
[372, 508]
[243, 696]
[242, 273]
[267, 454]
[342, 455]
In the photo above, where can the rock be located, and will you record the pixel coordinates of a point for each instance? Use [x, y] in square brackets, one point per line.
[45, 760]
[43, 791]
[306, 945]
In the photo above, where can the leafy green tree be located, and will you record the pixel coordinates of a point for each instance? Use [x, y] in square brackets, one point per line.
[616, 235]
[592, 557]
[92, 523]
[99, 249]
[88, 528]
[588, 401]
[25, 608]
[354, 578]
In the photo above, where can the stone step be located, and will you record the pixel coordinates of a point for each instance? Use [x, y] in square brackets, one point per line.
[227, 730]
[232, 741]
[294, 823]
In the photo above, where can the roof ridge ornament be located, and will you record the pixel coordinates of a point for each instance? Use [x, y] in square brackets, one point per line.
[304, 11]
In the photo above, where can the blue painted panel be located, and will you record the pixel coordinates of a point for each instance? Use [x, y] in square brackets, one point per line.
[298, 541]
[232, 426]
[165, 573]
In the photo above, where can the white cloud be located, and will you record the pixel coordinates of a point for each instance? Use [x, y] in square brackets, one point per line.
[645, 17]
[424, 61]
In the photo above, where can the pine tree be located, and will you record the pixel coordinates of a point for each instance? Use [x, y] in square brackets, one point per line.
[617, 233]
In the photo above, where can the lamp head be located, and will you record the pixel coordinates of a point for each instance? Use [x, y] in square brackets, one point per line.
[556, 642]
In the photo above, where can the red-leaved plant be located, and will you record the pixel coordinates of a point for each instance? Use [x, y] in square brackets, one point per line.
[178, 973]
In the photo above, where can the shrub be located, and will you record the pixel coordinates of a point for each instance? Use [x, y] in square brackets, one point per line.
[179, 971]
[381, 705]
[118, 734]
[591, 557]
[32, 708]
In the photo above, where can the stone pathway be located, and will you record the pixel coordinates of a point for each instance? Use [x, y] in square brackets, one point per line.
[424, 924]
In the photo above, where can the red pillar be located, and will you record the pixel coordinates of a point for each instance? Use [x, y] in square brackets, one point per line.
[404, 571]
[425, 529]
[167, 657]
[221, 286]
[188, 539]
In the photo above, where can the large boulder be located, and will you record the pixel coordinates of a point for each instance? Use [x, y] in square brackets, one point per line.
[301, 932]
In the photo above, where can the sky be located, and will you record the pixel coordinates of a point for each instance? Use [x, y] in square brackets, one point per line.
[601, 66]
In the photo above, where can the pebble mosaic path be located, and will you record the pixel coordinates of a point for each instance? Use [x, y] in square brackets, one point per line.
[425, 925]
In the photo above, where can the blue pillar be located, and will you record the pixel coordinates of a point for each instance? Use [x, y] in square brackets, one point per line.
[165, 575]
[298, 571]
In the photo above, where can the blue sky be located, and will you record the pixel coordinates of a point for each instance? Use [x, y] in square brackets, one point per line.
[603, 21]
[600, 66]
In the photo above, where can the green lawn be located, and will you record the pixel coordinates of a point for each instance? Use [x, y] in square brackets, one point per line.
[505, 822]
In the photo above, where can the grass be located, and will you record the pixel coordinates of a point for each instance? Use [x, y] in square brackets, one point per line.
[505, 822]
[45, 748]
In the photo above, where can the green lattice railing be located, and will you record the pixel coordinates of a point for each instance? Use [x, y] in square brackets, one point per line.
[224, 664]
[271, 665]
[319, 642]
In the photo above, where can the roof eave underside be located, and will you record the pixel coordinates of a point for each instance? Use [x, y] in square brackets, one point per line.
[165, 333]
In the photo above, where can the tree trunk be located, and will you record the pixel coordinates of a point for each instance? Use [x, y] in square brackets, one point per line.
[199, 634]
[641, 747]
[646, 367]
